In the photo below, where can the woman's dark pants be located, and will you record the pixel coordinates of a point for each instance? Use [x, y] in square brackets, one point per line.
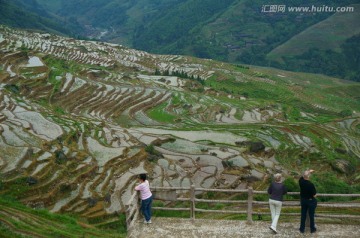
[146, 208]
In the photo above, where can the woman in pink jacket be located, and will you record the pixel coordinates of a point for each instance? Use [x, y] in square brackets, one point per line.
[146, 197]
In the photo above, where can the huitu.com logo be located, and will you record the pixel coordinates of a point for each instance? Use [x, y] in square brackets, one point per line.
[304, 9]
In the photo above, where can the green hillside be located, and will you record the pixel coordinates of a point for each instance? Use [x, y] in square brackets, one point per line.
[30, 15]
[120, 19]
[17, 220]
[331, 46]
[330, 33]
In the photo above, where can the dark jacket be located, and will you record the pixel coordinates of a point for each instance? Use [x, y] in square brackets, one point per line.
[307, 189]
[276, 191]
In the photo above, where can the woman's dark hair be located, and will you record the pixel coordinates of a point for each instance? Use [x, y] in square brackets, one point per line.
[142, 177]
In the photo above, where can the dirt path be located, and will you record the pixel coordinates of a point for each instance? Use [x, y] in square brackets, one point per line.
[181, 228]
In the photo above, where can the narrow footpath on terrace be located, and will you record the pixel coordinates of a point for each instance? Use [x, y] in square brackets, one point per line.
[207, 228]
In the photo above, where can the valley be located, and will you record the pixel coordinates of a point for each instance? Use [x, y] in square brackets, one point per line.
[80, 119]
[235, 31]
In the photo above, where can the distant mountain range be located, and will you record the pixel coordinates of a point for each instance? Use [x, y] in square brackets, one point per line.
[239, 31]
[31, 15]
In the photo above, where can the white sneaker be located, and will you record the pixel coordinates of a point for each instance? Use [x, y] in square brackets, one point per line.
[273, 229]
[149, 222]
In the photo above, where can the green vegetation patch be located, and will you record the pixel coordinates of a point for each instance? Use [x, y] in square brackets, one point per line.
[60, 64]
[159, 114]
[178, 214]
[12, 88]
[33, 222]
[330, 183]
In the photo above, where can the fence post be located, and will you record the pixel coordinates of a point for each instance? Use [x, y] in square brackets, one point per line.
[128, 215]
[250, 203]
[192, 200]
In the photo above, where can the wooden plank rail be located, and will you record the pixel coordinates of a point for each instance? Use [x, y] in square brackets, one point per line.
[220, 201]
[132, 211]
[171, 208]
[220, 211]
[248, 206]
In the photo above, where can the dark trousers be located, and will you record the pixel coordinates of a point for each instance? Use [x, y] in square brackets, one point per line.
[308, 205]
[146, 208]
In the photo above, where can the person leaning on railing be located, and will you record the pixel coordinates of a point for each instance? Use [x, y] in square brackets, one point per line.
[276, 191]
[146, 197]
[308, 201]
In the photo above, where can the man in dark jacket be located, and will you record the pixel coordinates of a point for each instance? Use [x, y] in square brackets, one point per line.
[308, 201]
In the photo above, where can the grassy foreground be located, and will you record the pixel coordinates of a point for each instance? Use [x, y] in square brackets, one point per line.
[17, 220]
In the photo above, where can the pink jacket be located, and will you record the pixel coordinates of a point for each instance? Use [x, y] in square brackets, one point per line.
[144, 189]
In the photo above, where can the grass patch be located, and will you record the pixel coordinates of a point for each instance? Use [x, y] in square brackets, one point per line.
[58, 110]
[178, 214]
[123, 121]
[159, 114]
[42, 222]
[176, 100]
[59, 67]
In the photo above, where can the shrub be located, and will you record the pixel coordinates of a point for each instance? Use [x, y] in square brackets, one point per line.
[346, 113]
[291, 185]
[12, 88]
[150, 149]
[329, 183]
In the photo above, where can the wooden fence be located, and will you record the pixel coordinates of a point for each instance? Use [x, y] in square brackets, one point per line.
[182, 194]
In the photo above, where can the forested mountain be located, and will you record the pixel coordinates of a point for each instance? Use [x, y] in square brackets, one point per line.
[230, 30]
[31, 15]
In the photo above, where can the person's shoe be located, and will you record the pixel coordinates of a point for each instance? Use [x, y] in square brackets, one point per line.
[149, 222]
[273, 229]
[313, 231]
[301, 231]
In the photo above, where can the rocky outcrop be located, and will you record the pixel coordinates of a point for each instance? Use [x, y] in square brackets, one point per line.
[343, 166]
[254, 146]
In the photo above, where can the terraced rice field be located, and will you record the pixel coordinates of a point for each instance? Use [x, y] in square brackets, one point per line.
[77, 119]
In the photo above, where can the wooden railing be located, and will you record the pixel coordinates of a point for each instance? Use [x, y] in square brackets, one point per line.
[132, 210]
[246, 206]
